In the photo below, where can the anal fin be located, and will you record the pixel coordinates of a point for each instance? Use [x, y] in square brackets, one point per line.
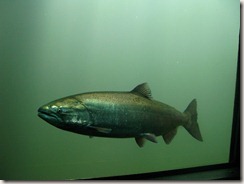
[168, 137]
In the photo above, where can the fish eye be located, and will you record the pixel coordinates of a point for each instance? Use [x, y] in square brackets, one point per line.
[60, 110]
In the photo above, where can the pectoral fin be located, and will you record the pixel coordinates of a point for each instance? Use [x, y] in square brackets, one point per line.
[168, 137]
[104, 130]
[101, 129]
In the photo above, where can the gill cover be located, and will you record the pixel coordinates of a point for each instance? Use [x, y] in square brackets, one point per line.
[64, 112]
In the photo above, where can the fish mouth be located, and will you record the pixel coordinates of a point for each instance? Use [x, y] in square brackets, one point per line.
[48, 116]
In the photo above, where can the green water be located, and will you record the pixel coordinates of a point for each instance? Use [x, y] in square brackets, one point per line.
[54, 48]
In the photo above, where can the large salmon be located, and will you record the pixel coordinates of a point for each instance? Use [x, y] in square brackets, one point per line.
[121, 115]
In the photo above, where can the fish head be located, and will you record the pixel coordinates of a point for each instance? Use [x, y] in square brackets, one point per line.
[65, 113]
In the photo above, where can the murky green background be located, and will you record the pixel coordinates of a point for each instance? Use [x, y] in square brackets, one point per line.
[55, 48]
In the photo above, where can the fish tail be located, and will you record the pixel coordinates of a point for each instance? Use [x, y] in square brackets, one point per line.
[192, 126]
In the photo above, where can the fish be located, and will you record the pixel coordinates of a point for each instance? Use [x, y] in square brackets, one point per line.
[113, 114]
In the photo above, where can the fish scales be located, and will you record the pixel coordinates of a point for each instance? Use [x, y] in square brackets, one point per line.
[131, 114]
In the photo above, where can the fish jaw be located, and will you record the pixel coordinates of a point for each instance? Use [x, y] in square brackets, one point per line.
[49, 116]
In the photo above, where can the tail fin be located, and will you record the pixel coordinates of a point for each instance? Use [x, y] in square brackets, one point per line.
[192, 126]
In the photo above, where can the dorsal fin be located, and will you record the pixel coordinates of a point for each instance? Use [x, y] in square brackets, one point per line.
[143, 90]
